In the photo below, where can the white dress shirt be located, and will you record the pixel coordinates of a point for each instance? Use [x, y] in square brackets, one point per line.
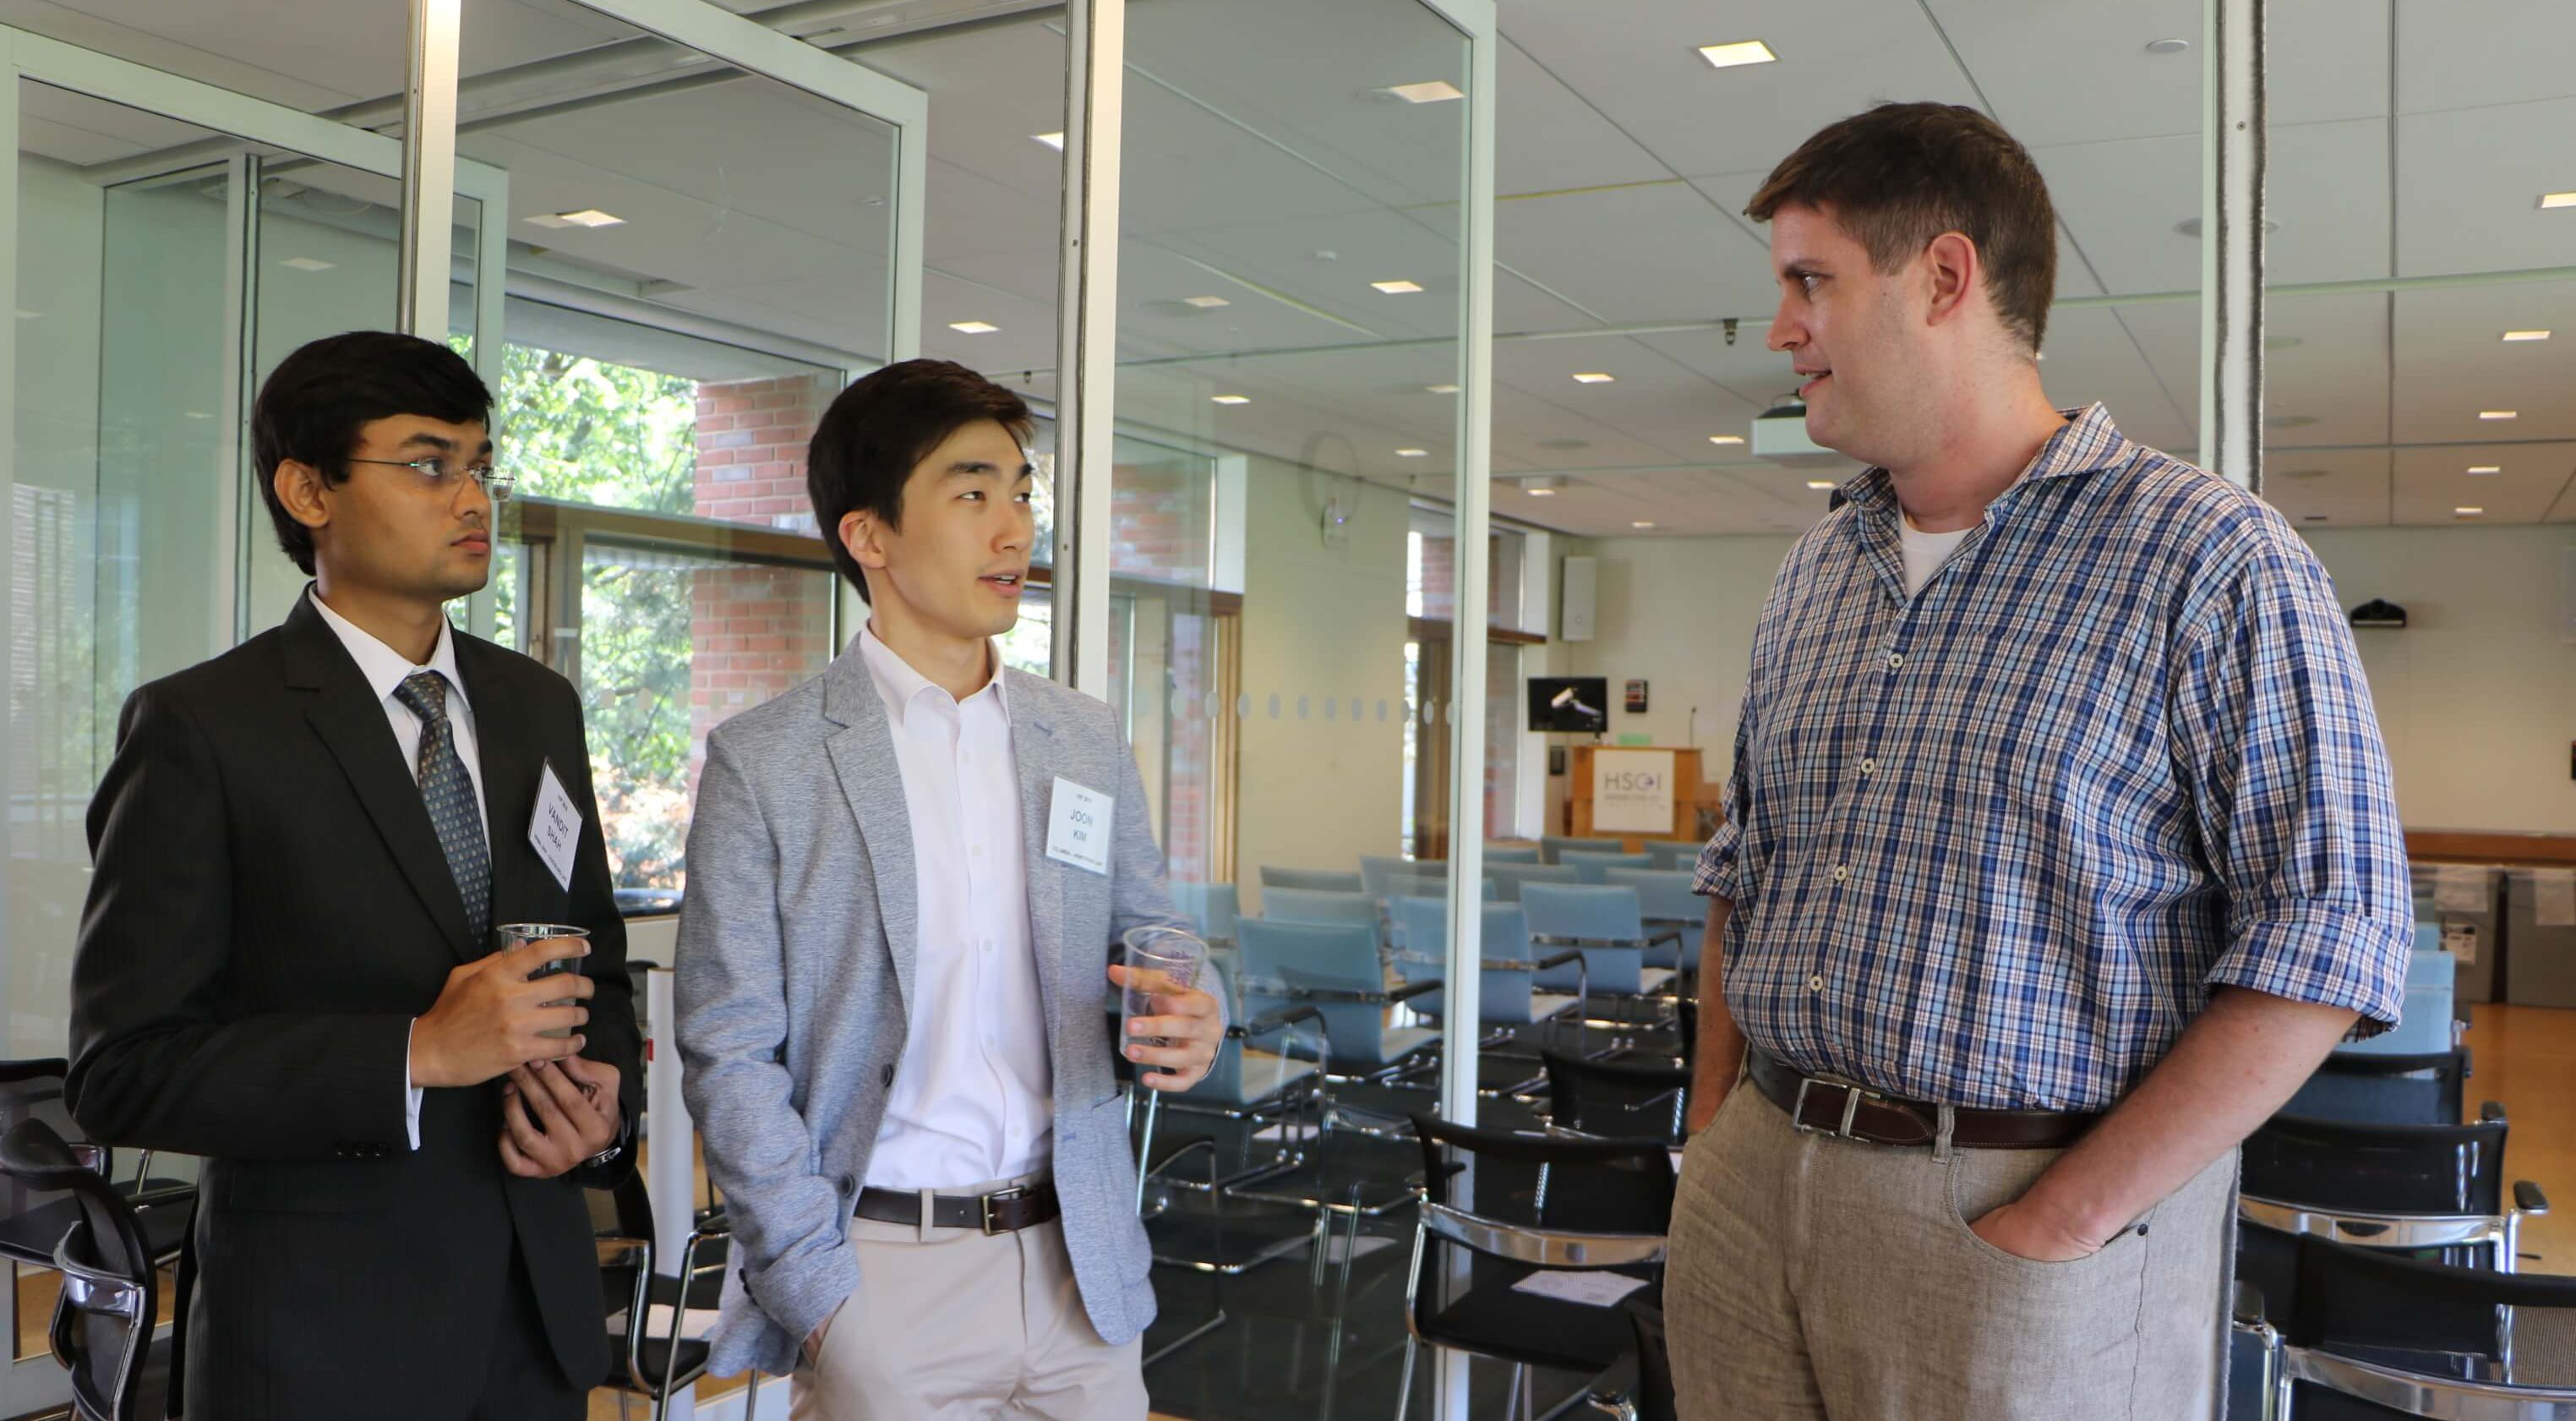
[973, 1096]
[386, 669]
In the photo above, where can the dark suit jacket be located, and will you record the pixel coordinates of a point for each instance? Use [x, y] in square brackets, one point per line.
[270, 910]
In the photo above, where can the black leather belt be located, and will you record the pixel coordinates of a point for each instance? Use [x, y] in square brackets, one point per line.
[1002, 1211]
[1853, 1112]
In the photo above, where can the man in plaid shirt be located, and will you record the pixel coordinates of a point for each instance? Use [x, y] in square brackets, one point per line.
[2060, 848]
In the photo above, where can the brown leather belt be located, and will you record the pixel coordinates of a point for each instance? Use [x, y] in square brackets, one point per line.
[1002, 1211]
[1853, 1112]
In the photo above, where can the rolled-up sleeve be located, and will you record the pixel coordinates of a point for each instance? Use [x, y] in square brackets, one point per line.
[1720, 872]
[2275, 736]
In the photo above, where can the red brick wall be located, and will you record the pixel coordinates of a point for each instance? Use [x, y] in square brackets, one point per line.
[751, 448]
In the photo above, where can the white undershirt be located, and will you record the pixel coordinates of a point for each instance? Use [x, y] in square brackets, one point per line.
[386, 669]
[1925, 552]
[973, 1095]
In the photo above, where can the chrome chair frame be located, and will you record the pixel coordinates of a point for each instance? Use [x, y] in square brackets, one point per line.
[2502, 1232]
[1518, 1243]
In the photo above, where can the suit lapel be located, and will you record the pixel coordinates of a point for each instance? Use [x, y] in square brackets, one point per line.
[1033, 747]
[504, 743]
[352, 725]
[871, 779]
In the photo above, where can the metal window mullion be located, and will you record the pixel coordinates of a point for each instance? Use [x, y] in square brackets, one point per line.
[429, 170]
[234, 477]
[1087, 340]
[2233, 156]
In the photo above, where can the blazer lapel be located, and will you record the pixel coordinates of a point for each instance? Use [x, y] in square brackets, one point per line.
[1033, 747]
[352, 725]
[871, 779]
[509, 759]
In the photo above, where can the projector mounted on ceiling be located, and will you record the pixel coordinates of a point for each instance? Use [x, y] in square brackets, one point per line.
[1780, 435]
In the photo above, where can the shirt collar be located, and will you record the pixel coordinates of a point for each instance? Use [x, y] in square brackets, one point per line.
[902, 688]
[2088, 442]
[385, 668]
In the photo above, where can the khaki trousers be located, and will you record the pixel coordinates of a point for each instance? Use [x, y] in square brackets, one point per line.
[950, 1324]
[1816, 1277]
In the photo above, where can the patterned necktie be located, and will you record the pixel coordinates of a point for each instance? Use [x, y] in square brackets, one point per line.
[449, 793]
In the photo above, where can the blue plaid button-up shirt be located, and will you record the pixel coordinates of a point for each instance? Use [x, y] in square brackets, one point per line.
[1992, 844]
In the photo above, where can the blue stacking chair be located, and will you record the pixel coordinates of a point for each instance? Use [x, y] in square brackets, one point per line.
[1334, 966]
[1671, 854]
[1665, 900]
[1376, 868]
[1510, 853]
[1607, 926]
[1316, 879]
[1507, 993]
[1245, 1078]
[1420, 885]
[1210, 907]
[1552, 847]
[1589, 867]
[2424, 1026]
[1508, 877]
[1308, 905]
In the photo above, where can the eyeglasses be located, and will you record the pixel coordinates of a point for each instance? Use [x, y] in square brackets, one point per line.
[443, 477]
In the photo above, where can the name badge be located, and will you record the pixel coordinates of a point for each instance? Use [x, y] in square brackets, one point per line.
[555, 830]
[1078, 826]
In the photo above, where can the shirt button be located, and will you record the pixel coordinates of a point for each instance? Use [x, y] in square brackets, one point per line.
[1869, 767]
[1815, 984]
[1896, 661]
[1842, 873]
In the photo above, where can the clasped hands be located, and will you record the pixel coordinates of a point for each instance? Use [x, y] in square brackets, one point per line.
[557, 1108]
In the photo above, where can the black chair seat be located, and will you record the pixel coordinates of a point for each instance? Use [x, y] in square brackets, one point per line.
[30, 1237]
[1495, 1319]
[657, 1355]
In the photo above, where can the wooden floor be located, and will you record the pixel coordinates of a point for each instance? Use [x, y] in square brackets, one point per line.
[2524, 1058]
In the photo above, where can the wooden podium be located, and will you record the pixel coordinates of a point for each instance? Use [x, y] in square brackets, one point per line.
[1689, 793]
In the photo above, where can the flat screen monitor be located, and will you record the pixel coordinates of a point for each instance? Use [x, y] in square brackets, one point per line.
[1574, 705]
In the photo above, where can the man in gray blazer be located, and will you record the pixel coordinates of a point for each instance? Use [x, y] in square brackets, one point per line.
[906, 877]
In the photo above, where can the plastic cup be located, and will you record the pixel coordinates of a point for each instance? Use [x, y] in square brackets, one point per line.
[1160, 963]
[510, 935]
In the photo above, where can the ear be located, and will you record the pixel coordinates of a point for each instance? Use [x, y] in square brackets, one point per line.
[299, 489]
[861, 534]
[1953, 268]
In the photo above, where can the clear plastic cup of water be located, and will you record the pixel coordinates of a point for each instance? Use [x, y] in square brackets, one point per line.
[1160, 962]
[510, 935]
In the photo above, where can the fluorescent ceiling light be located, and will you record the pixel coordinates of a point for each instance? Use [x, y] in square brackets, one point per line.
[1741, 52]
[1442, 389]
[2465, 511]
[1726, 439]
[586, 217]
[2526, 335]
[307, 264]
[1230, 399]
[2499, 414]
[973, 328]
[1205, 303]
[1052, 140]
[1594, 377]
[2557, 199]
[1411, 453]
[1643, 523]
[1540, 492]
[1820, 485]
[1429, 91]
[1397, 288]
[2486, 468]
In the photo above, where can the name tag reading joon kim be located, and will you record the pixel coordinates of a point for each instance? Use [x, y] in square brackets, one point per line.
[555, 829]
[1078, 826]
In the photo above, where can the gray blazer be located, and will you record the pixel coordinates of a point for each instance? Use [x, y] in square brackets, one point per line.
[795, 963]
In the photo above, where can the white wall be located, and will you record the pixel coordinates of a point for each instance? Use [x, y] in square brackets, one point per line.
[1324, 623]
[2477, 697]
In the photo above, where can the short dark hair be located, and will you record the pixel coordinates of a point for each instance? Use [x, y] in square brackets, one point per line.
[880, 428]
[318, 398]
[1899, 175]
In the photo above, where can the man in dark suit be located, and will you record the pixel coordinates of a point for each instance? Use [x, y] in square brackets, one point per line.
[302, 849]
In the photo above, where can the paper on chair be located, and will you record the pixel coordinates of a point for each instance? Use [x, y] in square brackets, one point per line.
[2460, 888]
[1595, 1290]
[1287, 1131]
[2553, 897]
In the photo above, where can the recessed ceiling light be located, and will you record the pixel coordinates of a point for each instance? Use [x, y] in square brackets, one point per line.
[1594, 377]
[2526, 335]
[2499, 414]
[1726, 439]
[307, 264]
[1411, 453]
[1541, 492]
[1820, 485]
[1442, 389]
[2557, 199]
[2468, 511]
[1229, 399]
[26, 315]
[1205, 303]
[1052, 140]
[1397, 288]
[2167, 46]
[1737, 54]
[1542, 485]
[197, 414]
[973, 328]
[2486, 468]
[1429, 91]
[586, 217]
[1642, 523]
